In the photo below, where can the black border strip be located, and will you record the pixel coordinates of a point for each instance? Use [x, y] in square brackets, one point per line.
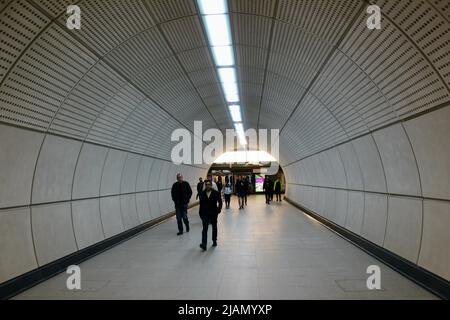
[429, 281]
[30, 279]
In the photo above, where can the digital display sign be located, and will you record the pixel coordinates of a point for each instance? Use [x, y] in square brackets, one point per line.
[259, 183]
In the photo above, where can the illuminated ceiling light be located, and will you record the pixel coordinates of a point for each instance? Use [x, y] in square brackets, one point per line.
[245, 156]
[235, 111]
[217, 24]
[213, 6]
[240, 133]
[227, 75]
[218, 30]
[223, 56]
[231, 92]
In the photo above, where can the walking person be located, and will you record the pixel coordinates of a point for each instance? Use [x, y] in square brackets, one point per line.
[181, 195]
[227, 191]
[210, 208]
[214, 185]
[277, 190]
[271, 189]
[240, 190]
[219, 185]
[246, 189]
[268, 190]
[199, 187]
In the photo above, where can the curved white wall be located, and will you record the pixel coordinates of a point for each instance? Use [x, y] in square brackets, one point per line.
[60, 195]
[379, 195]
[101, 104]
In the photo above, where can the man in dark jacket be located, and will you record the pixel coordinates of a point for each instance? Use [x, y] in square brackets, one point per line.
[210, 207]
[181, 195]
[246, 189]
[268, 189]
[199, 187]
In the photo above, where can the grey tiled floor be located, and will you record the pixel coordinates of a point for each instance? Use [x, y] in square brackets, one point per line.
[265, 252]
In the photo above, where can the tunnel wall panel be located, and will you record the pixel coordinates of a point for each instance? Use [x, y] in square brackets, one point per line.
[429, 136]
[82, 194]
[399, 162]
[54, 170]
[375, 218]
[88, 173]
[155, 175]
[87, 223]
[129, 174]
[370, 163]
[340, 178]
[404, 227]
[143, 176]
[341, 208]
[18, 153]
[154, 204]
[142, 207]
[112, 172]
[434, 254]
[129, 211]
[355, 215]
[381, 182]
[16, 243]
[351, 167]
[52, 232]
[111, 216]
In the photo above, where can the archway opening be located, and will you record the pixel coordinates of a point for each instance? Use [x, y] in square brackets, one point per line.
[254, 166]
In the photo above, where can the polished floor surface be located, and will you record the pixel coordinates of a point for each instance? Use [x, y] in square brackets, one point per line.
[265, 252]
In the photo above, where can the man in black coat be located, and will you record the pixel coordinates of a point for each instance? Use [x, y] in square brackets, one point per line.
[199, 187]
[268, 189]
[210, 207]
[181, 195]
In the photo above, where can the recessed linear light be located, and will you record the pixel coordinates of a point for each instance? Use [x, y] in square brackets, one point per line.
[245, 156]
[241, 134]
[227, 75]
[223, 56]
[218, 30]
[231, 92]
[235, 111]
[217, 23]
[213, 6]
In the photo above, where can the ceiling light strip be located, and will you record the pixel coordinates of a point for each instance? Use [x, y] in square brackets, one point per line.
[216, 20]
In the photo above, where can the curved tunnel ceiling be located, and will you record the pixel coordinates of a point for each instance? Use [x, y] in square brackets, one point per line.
[309, 68]
[363, 113]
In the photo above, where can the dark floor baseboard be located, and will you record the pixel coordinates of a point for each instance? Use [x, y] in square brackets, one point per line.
[429, 281]
[30, 279]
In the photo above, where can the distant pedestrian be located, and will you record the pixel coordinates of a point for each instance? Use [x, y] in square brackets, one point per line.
[240, 190]
[210, 208]
[181, 195]
[246, 189]
[219, 185]
[268, 190]
[199, 187]
[227, 191]
[214, 185]
[277, 190]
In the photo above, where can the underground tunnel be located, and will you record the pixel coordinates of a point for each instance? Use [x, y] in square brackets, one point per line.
[350, 97]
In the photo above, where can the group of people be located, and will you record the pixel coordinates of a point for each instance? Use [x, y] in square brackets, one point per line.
[270, 188]
[209, 194]
[210, 206]
[242, 191]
